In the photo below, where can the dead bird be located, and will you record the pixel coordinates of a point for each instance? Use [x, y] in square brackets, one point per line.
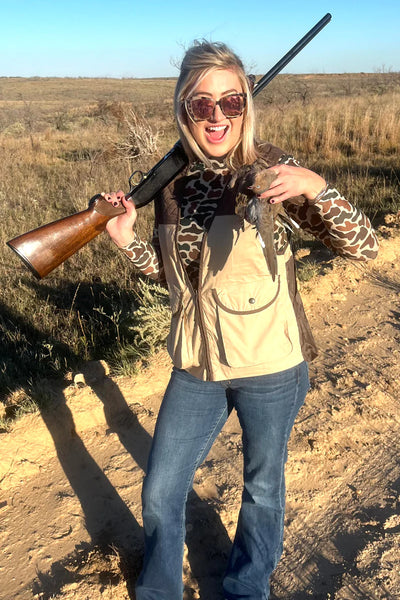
[251, 182]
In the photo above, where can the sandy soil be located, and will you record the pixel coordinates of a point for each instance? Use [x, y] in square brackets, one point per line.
[70, 477]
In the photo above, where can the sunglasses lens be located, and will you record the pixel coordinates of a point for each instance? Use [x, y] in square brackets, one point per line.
[232, 105]
[201, 109]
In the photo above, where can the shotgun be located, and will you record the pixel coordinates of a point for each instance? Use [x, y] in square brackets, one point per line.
[45, 248]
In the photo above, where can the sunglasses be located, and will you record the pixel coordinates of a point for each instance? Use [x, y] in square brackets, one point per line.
[201, 108]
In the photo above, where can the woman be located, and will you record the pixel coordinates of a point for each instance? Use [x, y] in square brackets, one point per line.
[239, 336]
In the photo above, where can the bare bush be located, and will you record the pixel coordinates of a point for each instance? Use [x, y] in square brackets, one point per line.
[141, 140]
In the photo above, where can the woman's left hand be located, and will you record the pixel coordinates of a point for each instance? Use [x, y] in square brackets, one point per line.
[293, 181]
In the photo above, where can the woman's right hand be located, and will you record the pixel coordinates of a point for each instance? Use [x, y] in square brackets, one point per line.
[120, 228]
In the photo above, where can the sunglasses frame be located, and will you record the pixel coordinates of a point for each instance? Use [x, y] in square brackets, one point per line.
[187, 103]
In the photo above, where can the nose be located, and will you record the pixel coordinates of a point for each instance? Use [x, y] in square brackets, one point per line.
[217, 114]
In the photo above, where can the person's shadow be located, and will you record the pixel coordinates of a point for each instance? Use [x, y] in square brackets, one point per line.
[97, 496]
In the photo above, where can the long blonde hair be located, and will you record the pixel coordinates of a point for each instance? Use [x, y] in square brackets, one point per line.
[201, 59]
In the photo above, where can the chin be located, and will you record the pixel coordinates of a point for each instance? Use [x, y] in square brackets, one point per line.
[217, 153]
[217, 150]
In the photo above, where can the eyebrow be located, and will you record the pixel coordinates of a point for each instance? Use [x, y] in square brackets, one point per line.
[200, 93]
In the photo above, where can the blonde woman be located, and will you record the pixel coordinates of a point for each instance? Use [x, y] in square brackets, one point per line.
[239, 336]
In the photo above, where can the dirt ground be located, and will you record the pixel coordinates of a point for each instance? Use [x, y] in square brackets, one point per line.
[70, 477]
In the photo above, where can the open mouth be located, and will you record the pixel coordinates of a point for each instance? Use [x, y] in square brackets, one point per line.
[216, 133]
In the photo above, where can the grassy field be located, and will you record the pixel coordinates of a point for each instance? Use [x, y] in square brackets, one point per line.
[64, 140]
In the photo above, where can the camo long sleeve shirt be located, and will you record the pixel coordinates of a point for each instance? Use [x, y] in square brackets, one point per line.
[332, 219]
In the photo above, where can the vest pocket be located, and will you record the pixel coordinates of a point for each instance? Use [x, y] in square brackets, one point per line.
[178, 346]
[250, 324]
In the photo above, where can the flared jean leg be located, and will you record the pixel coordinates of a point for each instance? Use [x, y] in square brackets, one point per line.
[267, 407]
[191, 415]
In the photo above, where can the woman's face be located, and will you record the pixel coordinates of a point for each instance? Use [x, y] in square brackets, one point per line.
[217, 135]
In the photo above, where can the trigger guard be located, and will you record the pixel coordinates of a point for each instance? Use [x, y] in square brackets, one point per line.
[135, 173]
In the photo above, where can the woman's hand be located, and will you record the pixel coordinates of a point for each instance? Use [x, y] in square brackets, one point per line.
[293, 181]
[120, 227]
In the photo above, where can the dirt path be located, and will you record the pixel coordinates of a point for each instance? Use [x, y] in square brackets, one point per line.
[70, 478]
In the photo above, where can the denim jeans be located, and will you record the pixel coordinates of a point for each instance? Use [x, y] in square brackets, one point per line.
[190, 418]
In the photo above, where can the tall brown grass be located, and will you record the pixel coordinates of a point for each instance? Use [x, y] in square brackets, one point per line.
[333, 128]
[62, 141]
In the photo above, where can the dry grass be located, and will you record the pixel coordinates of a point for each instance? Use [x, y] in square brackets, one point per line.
[334, 127]
[64, 140]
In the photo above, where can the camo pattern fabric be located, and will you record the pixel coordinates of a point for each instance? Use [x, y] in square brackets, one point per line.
[340, 226]
[203, 191]
[143, 256]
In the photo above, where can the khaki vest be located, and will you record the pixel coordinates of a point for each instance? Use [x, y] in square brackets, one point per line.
[240, 323]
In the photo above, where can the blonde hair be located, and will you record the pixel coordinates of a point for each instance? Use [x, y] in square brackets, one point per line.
[201, 59]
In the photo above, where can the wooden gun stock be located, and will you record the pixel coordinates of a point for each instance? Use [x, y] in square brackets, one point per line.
[45, 248]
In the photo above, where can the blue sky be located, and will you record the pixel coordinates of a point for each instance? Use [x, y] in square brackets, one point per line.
[121, 38]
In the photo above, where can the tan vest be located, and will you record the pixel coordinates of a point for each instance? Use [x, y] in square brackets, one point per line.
[240, 323]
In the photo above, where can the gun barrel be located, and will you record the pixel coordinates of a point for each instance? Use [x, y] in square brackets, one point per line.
[281, 64]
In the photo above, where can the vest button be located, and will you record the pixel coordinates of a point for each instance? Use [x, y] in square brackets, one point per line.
[252, 300]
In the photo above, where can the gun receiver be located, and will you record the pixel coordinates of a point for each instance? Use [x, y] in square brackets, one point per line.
[45, 248]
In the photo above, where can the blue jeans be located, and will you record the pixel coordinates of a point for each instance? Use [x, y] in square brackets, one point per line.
[190, 418]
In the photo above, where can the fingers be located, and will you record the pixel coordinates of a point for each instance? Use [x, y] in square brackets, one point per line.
[289, 182]
[276, 194]
[115, 198]
[277, 191]
[292, 181]
[128, 204]
[118, 198]
[130, 208]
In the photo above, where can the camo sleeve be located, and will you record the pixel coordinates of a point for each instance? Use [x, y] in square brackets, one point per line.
[145, 256]
[338, 224]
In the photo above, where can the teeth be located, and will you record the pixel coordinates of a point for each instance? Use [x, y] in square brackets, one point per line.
[216, 128]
